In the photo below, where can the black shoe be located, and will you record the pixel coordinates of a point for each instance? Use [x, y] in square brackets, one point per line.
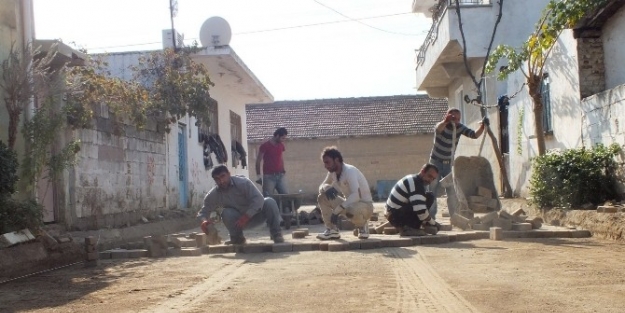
[235, 241]
[278, 238]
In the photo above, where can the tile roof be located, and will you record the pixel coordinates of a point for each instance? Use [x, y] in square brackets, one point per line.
[343, 117]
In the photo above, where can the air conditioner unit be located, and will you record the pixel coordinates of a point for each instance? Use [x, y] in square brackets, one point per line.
[168, 39]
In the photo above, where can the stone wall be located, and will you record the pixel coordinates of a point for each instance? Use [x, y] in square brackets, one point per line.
[591, 63]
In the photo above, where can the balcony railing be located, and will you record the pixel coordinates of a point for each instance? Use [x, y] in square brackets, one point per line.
[439, 10]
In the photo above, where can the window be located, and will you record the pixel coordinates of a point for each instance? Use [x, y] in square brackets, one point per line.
[545, 94]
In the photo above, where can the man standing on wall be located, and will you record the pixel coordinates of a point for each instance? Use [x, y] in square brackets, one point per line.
[270, 154]
[345, 191]
[445, 143]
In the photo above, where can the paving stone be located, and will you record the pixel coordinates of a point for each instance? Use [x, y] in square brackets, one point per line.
[484, 192]
[607, 209]
[416, 240]
[580, 234]
[503, 223]
[496, 233]
[474, 220]
[305, 230]
[390, 230]
[434, 239]
[338, 246]
[305, 246]
[137, 253]
[346, 225]
[459, 221]
[90, 241]
[478, 207]
[478, 199]
[446, 227]
[452, 237]
[201, 240]
[171, 251]
[519, 212]
[372, 231]
[89, 248]
[561, 234]
[488, 217]
[355, 245]
[445, 214]
[323, 246]
[256, 248]
[220, 249]
[298, 234]
[13, 238]
[505, 215]
[374, 218]
[519, 219]
[467, 236]
[397, 242]
[493, 204]
[515, 234]
[468, 214]
[205, 249]
[181, 242]
[92, 256]
[191, 252]
[119, 254]
[370, 243]
[483, 227]
[522, 226]
[282, 247]
[104, 255]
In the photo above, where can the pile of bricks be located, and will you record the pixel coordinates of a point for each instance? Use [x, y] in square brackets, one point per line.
[162, 246]
[92, 256]
[483, 202]
[517, 221]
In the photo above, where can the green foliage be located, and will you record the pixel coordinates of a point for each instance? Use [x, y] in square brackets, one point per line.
[574, 177]
[19, 214]
[8, 170]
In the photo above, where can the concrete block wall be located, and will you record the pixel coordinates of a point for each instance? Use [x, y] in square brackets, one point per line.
[118, 179]
[379, 158]
[591, 64]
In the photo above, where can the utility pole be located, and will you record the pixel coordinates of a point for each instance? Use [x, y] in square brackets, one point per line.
[173, 11]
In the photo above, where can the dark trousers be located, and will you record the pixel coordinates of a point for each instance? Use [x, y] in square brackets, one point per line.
[404, 217]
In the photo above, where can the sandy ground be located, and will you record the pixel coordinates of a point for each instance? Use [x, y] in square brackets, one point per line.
[521, 275]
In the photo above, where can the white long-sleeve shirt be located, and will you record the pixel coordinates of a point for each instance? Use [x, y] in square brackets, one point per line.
[352, 184]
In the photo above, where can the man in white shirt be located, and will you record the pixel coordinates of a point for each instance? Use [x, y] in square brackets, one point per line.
[345, 191]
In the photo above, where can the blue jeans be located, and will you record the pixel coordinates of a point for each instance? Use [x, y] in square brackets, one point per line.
[444, 169]
[274, 181]
[269, 213]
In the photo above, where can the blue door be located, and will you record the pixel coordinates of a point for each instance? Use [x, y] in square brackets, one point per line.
[182, 166]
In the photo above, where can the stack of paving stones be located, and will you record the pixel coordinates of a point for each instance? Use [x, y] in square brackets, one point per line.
[611, 208]
[483, 202]
[92, 256]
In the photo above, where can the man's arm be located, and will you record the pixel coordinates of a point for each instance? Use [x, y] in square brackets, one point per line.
[326, 181]
[354, 195]
[480, 130]
[440, 127]
[208, 207]
[255, 198]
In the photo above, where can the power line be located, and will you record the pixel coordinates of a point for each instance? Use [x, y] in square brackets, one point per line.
[280, 28]
[360, 22]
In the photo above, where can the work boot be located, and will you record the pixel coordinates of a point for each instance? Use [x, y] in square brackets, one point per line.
[329, 234]
[235, 241]
[278, 238]
[411, 232]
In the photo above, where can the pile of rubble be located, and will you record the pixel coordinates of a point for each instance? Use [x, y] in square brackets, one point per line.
[517, 221]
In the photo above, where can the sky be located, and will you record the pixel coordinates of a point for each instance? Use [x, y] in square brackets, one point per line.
[298, 49]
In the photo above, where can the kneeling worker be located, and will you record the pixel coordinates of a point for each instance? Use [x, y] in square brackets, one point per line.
[355, 203]
[407, 207]
[242, 206]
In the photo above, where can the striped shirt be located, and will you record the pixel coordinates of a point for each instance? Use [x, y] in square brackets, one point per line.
[409, 192]
[443, 141]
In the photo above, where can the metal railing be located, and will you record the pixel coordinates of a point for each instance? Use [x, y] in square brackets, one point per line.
[438, 11]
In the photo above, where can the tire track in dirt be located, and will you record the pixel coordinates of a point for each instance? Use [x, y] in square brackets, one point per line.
[190, 298]
[421, 289]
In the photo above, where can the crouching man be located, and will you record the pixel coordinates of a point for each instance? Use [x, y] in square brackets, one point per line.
[407, 207]
[241, 206]
[345, 191]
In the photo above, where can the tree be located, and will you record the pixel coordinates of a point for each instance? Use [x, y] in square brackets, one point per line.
[507, 192]
[531, 57]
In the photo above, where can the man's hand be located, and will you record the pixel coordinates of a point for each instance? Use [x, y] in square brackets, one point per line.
[334, 219]
[449, 118]
[242, 221]
[259, 181]
[485, 121]
[204, 226]
[331, 193]
[429, 199]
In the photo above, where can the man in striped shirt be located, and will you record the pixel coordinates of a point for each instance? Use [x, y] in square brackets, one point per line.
[407, 205]
[443, 152]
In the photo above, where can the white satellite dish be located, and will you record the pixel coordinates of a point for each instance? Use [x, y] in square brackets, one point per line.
[215, 32]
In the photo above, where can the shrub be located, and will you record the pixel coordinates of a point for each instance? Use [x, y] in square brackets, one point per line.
[19, 214]
[574, 177]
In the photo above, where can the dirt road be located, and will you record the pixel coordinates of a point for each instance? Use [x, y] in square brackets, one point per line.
[531, 275]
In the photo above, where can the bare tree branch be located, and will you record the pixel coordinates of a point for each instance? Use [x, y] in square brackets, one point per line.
[464, 46]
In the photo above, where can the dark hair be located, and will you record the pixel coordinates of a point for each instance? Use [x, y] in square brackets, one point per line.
[280, 132]
[453, 110]
[427, 166]
[332, 152]
[219, 169]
